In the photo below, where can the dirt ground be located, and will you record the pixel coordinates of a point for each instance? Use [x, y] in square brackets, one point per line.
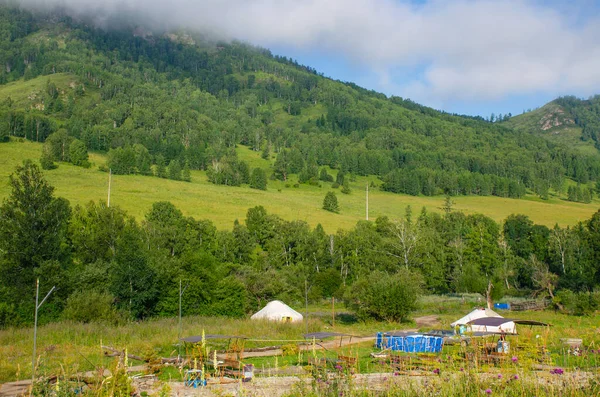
[279, 386]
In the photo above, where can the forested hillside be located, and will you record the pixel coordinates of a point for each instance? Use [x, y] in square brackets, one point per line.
[108, 267]
[164, 104]
[168, 105]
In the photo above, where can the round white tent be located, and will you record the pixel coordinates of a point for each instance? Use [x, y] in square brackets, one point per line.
[277, 311]
[507, 327]
[474, 315]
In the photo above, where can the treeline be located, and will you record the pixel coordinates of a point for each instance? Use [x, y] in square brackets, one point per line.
[190, 105]
[109, 267]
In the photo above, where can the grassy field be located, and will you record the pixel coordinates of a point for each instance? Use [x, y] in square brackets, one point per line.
[222, 205]
[24, 93]
[76, 347]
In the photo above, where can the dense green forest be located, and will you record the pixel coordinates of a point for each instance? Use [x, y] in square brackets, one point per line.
[108, 267]
[163, 103]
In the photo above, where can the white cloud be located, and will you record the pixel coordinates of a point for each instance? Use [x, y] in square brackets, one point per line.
[470, 50]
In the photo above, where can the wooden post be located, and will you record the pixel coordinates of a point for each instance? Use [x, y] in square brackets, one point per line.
[109, 180]
[306, 304]
[332, 311]
[37, 306]
[367, 200]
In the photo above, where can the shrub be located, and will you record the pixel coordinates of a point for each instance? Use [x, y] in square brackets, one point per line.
[91, 306]
[324, 176]
[382, 296]
[290, 349]
[578, 303]
[346, 188]
[7, 313]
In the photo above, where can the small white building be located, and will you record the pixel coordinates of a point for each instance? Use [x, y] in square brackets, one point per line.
[277, 311]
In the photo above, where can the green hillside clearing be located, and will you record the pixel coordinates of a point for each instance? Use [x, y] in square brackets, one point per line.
[551, 122]
[222, 204]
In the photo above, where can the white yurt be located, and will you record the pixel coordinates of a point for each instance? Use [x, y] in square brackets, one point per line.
[277, 311]
[464, 326]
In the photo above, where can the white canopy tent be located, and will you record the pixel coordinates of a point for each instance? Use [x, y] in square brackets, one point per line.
[277, 311]
[464, 323]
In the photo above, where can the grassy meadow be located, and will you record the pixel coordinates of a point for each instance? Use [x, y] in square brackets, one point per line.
[222, 205]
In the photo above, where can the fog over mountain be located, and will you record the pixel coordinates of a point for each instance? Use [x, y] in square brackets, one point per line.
[464, 50]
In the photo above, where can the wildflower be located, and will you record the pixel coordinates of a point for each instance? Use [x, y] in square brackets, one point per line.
[514, 359]
[436, 371]
[462, 369]
[338, 367]
[515, 377]
[488, 391]
[499, 376]
[385, 378]
[557, 371]
[396, 373]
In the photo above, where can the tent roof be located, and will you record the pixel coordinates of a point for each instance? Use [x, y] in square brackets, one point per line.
[490, 321]
[495, 321]
[276, 309]
[475, 314]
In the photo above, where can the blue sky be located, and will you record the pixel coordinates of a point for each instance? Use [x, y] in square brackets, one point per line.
[575, 15]
[463, 56]
[342, 69]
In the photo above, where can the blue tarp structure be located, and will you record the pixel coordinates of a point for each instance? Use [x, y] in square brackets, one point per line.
[410, 343]
[502, 306]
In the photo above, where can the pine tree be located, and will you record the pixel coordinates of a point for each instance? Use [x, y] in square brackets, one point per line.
[346, 188]
[174, 170]
[258, 179]
[47, 160]
[339, 179]
[324, 176]
[448, 204]
[330, 203]
[266, 154]
[78, 153]
[185, 174]
[161, 170]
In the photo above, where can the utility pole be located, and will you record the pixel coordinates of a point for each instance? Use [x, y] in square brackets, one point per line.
[333, 312]
[367, 200]
[109, 180]
[37, 306]
[179, 327]
[306, 304]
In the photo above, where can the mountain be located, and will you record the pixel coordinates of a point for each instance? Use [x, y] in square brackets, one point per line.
[165, 104]
[567, 120]
[189, 130]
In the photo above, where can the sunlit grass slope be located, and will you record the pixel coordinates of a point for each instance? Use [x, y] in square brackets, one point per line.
[567, 133]
[222, 205]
